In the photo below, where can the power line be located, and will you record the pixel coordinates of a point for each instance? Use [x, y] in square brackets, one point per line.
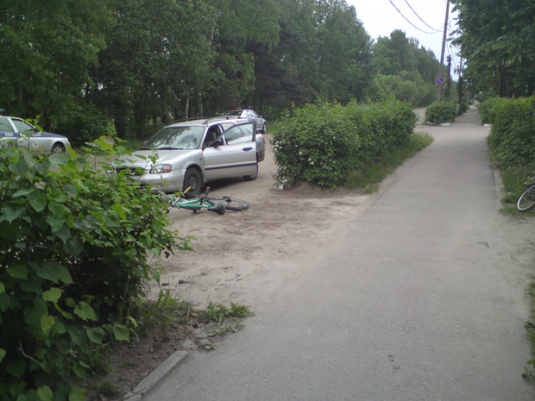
[406, 19]
[425, 23]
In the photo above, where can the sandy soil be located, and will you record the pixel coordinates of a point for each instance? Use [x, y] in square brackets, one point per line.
[240, 254]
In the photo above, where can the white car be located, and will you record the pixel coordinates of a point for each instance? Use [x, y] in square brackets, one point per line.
[261, 124]
[14, 131]
[192, 153]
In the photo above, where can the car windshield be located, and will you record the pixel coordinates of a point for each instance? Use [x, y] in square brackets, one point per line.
[175, 138]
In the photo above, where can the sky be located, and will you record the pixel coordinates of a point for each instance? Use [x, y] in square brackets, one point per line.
[380, 18]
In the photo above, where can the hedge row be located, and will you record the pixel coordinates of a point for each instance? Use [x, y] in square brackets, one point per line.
[323, 143]
[74, 258]
[441, 112]
[487, 107]
[512, 136]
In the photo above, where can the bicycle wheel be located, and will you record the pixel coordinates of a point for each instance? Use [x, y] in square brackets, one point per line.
[527, 199]
[237, 205]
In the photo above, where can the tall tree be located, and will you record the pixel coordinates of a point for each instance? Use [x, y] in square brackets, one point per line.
[286, 73]
[344, 53]
[406, 70]
[158, 59]
[48, 49]
[244, 29]
[323, 51]
[497, 39]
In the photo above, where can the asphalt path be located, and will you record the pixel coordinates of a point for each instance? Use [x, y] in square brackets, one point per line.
[423, 297]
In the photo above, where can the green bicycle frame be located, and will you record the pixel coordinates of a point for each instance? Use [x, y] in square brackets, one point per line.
[196, 204]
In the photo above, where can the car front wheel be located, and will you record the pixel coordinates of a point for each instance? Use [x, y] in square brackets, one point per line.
[58, 147]
[193, 181]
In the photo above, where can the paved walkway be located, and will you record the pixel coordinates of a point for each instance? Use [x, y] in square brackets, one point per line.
[423, 298]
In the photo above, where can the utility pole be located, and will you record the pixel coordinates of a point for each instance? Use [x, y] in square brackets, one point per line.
[447, 80]
[441, 68]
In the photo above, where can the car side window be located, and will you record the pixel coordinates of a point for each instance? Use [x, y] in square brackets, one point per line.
[211, 135]
[5, 125]
[23, 126]
[239, 134]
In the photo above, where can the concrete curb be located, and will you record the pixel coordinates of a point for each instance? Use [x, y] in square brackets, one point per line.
[155, 376]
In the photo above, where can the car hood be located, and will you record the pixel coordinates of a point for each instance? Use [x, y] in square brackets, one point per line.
[52, 135]
[147, 158]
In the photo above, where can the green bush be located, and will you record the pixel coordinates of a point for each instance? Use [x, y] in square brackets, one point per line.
[75, 245]
[441, 112]
[324, 143]
[406, 86]
[487, 109]
[512, 136]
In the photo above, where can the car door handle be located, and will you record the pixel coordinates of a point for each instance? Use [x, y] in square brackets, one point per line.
[247, 149]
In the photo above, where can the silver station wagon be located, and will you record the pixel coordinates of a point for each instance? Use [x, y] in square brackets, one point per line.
[192, 153]
[14, 131]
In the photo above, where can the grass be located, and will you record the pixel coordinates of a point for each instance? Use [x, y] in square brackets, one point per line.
[370, 176]
[160, 315]
[515, 180]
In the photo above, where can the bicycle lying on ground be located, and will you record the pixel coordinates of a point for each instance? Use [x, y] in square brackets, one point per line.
[212, 204]
[526, 201]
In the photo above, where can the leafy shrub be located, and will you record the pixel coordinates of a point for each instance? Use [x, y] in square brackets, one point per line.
[487, 109]
[406, 86]
[75, 245]
[323, 143]
[315, 144]
[441, 112]
[512, 136]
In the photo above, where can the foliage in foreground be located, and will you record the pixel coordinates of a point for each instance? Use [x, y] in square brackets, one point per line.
[75, 249]
[324, 143]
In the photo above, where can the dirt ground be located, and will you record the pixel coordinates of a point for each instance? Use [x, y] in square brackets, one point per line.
[240, 253]
[239, 256]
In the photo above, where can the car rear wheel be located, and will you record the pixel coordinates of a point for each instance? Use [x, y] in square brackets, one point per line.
[252, 176]
[193, 181]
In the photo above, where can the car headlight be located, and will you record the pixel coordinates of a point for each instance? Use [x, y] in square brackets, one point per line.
[161, 169]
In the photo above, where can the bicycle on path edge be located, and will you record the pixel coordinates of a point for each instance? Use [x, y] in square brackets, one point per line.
[526, 201]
